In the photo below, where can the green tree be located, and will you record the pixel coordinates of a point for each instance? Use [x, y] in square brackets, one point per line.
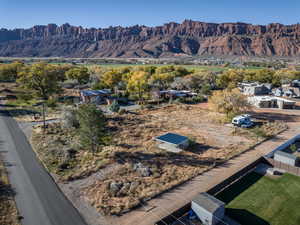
[9, 72]
[81, 74]
[91, 126]
[266, 76]
[40, 78]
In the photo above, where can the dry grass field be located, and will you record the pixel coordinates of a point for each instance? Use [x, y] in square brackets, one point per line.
[8, 211]
[143, 170]
[134, 147]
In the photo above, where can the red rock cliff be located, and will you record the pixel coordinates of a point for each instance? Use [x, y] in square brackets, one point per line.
[187, 38]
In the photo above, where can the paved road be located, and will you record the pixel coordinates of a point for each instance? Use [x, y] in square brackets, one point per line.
[38, 198]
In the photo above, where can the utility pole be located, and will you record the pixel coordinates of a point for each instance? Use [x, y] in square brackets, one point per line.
[44, 117]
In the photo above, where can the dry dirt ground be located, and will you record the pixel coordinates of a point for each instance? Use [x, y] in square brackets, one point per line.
[125, 187]
[134, 145]
[8, 210]
[165, 204]
[135, 170]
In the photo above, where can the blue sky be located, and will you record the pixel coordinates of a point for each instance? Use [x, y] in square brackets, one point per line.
[105, 13]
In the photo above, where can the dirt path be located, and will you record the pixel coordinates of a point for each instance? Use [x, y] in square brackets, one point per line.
[172, 200]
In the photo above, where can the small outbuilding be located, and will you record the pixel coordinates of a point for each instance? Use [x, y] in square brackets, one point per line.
[209, 209]
[285, 158]
[172, 142]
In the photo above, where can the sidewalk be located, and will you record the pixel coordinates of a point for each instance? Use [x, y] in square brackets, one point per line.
[182, 195]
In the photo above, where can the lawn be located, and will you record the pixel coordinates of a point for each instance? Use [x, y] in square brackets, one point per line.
[190, 67]
[262, 200]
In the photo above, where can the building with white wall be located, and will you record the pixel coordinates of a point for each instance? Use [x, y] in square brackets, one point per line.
[209, 209]
[285, 158]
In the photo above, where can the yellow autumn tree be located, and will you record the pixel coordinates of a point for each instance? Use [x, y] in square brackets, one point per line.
[230, 78]
[230, 102]
[111, 78]
[138, 84]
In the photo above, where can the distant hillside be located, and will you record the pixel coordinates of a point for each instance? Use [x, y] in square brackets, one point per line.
[172, 39]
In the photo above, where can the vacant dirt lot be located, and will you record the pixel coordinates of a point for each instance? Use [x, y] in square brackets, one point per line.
[147, 171]
[142, 170]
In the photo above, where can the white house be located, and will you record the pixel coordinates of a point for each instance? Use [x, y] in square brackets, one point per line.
[255, 88]
[271, 102]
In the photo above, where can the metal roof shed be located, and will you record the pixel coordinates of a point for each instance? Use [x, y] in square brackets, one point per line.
[172, 142]
[209, 209]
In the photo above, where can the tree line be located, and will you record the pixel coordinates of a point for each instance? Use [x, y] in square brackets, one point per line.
[136, 81]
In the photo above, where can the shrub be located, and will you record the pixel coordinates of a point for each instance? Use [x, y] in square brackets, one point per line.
[122, 111]
[52, 103]
[190, 100]
[260, 132]
[114, 107]
[24, 96]
[293, 147]
[198, 98]
[69, 118]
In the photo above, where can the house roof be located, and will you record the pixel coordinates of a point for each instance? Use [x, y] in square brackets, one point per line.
[172, 138]
[178, 93]
[208, 202]
[95, 92]
[285, 154]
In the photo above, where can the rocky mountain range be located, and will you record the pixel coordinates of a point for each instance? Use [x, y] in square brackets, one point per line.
[171, 39]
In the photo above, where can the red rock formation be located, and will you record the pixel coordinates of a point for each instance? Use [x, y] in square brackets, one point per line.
[188, 38]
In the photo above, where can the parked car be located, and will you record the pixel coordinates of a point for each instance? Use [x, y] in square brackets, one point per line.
[243, 121]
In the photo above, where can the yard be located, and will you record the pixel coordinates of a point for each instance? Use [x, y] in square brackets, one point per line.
[262, 200]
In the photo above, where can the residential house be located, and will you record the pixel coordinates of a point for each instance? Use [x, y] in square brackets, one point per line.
[255, 88]
[291, 90]
[94, 96]
[271, 102]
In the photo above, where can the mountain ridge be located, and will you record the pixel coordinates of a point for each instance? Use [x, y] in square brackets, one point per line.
[171, 39]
